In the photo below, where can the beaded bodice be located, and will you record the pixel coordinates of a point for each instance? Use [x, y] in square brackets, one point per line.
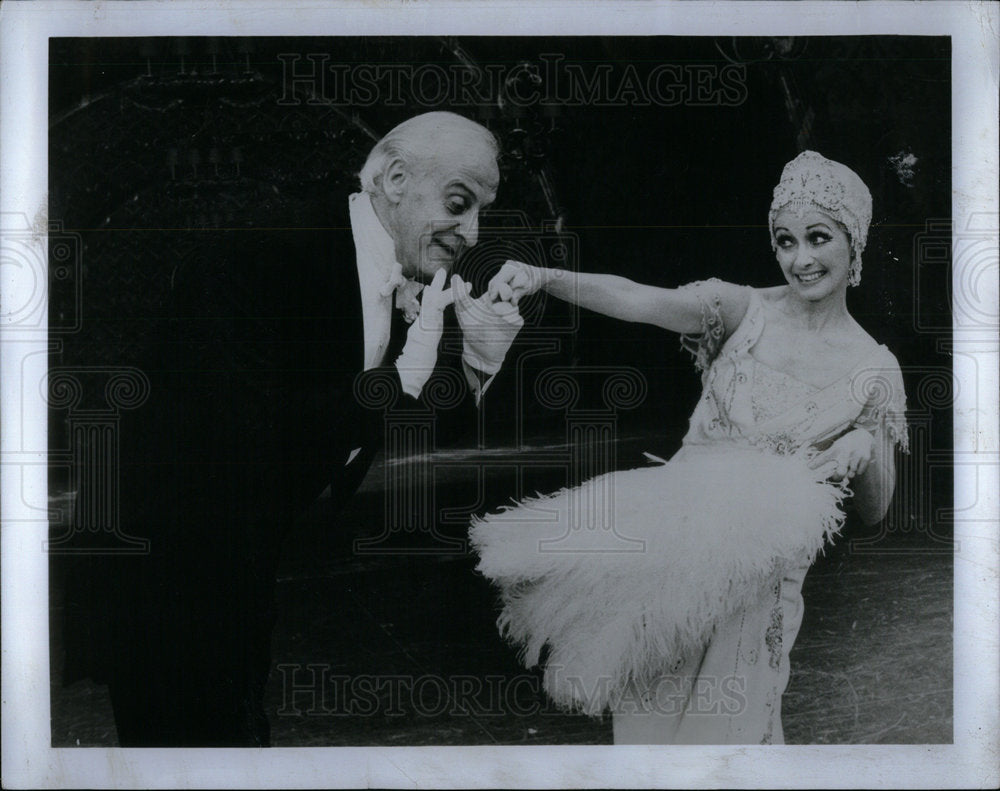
[773, 392]
[746, 402]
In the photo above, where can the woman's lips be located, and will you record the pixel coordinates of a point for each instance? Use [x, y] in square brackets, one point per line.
[811, 277]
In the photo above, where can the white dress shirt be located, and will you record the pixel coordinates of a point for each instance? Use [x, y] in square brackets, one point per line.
[376, 258]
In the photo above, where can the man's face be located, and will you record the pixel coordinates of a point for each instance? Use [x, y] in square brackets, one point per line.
[437, 216]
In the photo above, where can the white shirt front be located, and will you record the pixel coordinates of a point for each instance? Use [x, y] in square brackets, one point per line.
[375, 254]
[376, 257]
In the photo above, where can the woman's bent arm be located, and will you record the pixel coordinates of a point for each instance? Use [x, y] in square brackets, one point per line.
[874, 487]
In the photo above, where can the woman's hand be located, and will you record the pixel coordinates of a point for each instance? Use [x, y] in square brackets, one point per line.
[516, 280]
[847, 457]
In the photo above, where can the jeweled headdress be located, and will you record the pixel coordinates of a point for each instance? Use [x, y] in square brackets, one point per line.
[811, 180]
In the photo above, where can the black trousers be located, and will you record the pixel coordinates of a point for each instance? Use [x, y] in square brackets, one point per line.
[191, 621]
[215, 491]
[251, 415]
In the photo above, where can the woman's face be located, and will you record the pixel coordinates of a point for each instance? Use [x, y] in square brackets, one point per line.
[814, 252]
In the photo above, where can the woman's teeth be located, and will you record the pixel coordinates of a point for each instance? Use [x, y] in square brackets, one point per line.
[812, 277]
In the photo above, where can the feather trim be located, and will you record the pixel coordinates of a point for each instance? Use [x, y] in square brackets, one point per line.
[681, 547]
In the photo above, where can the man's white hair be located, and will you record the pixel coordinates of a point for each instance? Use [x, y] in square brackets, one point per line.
[420, 138]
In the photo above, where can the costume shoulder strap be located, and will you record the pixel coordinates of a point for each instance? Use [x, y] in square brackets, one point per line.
[879, 387]
[706, 344]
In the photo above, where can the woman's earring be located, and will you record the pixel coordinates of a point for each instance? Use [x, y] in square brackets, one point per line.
[854, 271]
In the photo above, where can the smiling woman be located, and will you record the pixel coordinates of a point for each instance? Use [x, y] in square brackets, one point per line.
[688, 641]
[818, 197]
[812, 248]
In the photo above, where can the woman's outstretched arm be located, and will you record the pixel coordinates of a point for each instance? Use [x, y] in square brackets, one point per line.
[676, 309]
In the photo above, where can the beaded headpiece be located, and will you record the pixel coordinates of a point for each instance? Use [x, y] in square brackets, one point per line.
[813, 181]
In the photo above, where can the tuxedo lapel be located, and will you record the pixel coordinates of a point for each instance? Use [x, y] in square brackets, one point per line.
[397, 336]
[346, 298]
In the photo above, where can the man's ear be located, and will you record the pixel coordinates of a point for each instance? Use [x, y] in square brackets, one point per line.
[395, 176]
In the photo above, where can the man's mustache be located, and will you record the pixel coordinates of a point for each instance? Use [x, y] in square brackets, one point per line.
[453, 249]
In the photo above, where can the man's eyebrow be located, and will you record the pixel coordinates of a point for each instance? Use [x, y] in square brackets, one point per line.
[463, 184]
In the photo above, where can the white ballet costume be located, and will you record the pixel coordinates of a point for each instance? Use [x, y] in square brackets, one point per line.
[674, 603]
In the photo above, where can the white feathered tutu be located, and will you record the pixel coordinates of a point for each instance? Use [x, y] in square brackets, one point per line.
[622, 576]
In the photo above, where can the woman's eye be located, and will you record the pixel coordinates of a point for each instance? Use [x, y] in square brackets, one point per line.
[785, 241]
[818, 237]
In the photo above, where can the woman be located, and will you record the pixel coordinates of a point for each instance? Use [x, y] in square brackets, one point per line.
[688, 640]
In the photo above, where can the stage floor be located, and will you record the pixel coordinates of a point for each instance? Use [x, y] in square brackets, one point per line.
[400, 648]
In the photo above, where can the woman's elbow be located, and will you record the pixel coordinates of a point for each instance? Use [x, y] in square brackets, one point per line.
[872, 506]
[871, 514]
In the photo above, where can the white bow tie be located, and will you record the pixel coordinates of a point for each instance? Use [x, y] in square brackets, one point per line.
[406, 290]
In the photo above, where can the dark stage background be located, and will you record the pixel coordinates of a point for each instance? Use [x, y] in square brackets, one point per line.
[649, 157]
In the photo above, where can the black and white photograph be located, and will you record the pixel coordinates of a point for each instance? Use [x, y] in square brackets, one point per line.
[387, 382]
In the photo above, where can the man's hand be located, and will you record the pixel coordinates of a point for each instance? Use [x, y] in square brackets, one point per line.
[516, 280]
[488, 327]
[419, 356]
[433, 301]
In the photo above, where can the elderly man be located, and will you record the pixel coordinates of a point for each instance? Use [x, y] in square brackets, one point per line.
[256, 407]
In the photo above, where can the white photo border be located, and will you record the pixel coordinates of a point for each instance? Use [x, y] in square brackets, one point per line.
[28, 758]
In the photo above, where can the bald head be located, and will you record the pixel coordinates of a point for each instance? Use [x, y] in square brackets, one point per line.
[423, 140]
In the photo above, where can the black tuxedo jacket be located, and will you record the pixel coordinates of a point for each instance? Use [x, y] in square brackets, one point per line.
[253, 410]
[255, 388]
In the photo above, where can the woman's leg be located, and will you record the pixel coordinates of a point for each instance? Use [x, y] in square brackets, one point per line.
[731, 704]
[652, 713]
[748, 659]
[792, 607]
[731, 692]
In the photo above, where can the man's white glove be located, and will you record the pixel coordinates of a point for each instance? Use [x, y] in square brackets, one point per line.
[419, 356]
[488, 328]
